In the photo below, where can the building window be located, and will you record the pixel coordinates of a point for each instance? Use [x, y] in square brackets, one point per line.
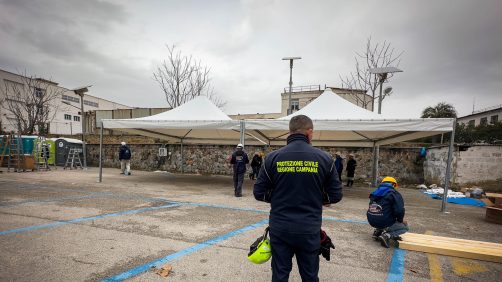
[70, 98]
[39, 93]
[90, 103]
[494, 119]
[76, 118]
[484, 121]
[472, 122]
[67, 117]
[295, 105]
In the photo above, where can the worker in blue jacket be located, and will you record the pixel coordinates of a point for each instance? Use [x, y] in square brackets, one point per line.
[386, 212]
[297, 180]
[239, 160]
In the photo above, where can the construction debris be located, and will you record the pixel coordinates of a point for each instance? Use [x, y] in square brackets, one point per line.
[164, 271]
[440, 191]
[451, 247]
[422, 187]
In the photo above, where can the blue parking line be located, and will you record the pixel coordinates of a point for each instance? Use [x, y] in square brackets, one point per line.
[226, 207]
[50, 200]
[344, 220]
[83, 219]
[142, 268]
[396, 268]
[329, 218]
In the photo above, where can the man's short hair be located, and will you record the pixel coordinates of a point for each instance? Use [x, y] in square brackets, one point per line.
[300, 124]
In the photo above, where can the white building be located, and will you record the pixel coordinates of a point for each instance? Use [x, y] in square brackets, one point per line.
[67, 117]
[489, 115]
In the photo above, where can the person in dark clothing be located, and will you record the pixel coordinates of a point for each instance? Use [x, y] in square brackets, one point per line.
[239, 160]
[125, 159]
[297, 180]
[351, 168]
[339, 165]
[386, 212]
[255, 165]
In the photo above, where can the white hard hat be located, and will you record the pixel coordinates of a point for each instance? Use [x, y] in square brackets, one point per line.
[123, 143]
[240, 145]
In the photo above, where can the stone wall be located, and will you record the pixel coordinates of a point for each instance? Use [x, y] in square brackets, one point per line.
[479, 165]
[402, 163]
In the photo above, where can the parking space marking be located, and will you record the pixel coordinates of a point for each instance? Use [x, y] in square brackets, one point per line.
[329, 218]
[50, 200]
[463, 267]
[83, 219]
[396, 268]
[142, 268]
[434, 265]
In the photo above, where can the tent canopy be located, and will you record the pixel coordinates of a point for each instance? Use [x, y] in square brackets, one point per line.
[341, 123]
[197, 121]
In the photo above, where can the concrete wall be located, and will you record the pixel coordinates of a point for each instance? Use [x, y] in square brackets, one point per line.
[471, 165]
[401, 163]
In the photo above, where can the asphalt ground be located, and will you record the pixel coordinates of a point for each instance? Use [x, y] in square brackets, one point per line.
[62, 225]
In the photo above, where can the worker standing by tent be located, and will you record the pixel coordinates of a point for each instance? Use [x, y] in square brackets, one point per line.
[351, 169]
[297, 180]
[339, 165]
[125, 159]
[239, 160]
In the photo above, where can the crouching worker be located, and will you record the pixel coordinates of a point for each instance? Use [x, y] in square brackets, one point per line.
[386, 212]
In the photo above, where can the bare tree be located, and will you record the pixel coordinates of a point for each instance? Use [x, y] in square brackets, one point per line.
[30, 103]
[375, 56]
[183, 78]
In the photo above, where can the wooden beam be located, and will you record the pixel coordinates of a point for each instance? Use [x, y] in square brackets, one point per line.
[452, 247]
[494, 214]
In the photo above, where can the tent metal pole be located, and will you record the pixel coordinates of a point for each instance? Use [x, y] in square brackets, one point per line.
[181, 155]
[101, 153]
[376, 153]
[448, 168]
[243, 131]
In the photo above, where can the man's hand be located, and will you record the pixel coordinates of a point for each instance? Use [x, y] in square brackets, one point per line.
[326, 205]
[405, 222]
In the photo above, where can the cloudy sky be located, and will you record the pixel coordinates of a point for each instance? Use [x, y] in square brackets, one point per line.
[452, 48]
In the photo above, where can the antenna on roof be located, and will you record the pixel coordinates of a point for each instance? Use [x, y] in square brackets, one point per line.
[473, 103]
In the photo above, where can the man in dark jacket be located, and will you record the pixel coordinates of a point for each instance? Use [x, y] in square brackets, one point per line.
[239, 160]
[255, 165]
[297, 180]
[339, 165]
[351, 168]
[125, 159]
[386, 212]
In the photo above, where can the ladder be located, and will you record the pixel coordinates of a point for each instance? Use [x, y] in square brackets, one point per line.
[73, 159]
[16, 154]
[41, 154]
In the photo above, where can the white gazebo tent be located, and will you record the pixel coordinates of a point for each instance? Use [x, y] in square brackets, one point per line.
[338, 122]
[197, 121]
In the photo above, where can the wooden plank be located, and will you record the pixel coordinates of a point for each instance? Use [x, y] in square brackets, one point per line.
[498, 202]
[452, 247]
[494, 215]
[415, 236]
[493, 195]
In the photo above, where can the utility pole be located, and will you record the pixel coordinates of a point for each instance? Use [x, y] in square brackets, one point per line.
[81, 92]
[291, 59]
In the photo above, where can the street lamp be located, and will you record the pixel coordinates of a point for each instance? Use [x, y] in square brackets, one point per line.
[80, 91]
[291, 59]
[382, 75]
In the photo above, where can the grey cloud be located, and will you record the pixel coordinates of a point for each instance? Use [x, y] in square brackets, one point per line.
[453, 49]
